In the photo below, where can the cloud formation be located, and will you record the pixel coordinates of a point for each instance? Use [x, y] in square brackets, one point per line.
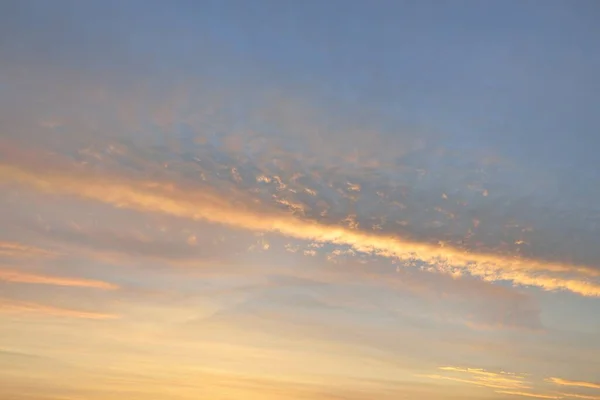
[579, 396]
[510, 383]
[566, 382]
[20, 308]
[211, 206]
[528, 394]
[23, 277]
[481, 377]
[193, 207]
[13, 249]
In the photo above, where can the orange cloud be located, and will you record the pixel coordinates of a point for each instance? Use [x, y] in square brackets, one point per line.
[8, 306]
[565, 382]
[503, 378]
[477, 382]
[209, 205]
[23, 277]
[479, 371]
[580, 396]
[13, 249]
[526, 394]
[487, 374]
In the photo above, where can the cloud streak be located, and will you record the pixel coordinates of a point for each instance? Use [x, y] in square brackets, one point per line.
[528, 394]
[23, 277]
[508, 380]
[580, 396]
[481, 377]
[13, 249]
[469, 381]
[566, 382]
[212, 206]
[171, 177]
[19, 307]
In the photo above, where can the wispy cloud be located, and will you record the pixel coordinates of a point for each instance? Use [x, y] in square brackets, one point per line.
[19, 307]
[475, 382]
[566, 382]
[14, 249]
[481, 377]
[580, 396]
[24, 277]
[257, 216]
[501, 378]
[211, 206]
[529, 394]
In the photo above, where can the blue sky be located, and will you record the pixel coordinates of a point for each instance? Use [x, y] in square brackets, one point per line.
[300, 200]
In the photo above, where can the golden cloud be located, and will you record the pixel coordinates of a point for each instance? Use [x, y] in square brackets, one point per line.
[528, 394]
[212, 206]
[14, 249]
[19, 307]
[23, 277]
[481, 377]
[565, 382]
[476, 382]
[580, 396]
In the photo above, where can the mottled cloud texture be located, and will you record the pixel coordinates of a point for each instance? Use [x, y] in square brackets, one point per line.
[195, 206]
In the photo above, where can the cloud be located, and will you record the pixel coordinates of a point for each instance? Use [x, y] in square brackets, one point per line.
[126, 240]
[517, 381]
[480, 304]
[13, 249]
[19, 307]
[469, 381]
[503, 382]
[466, 300]
[351, 317]
[528, 394]
[110, 92]
[580, 396]
[481, 377]
[174, 247]
[24, 277]
[566, 382]
[209, 205]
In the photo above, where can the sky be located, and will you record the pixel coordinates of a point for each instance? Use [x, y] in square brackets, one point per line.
[309, 200]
